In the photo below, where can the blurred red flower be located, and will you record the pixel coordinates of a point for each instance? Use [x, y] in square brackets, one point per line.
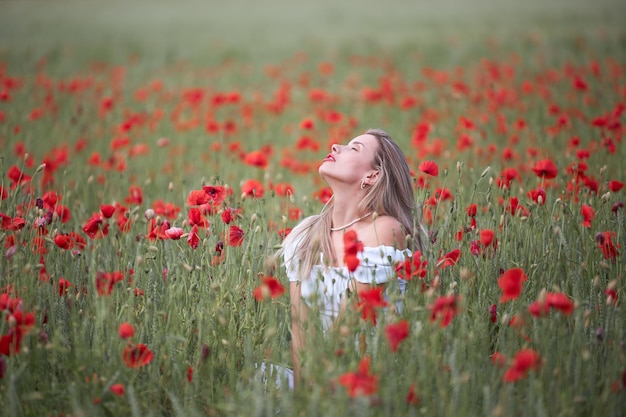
[606, 245]
[174, 233]
[193, 239]
[197, 198]
[117, 389]
[106, 280]
[63, 286]
[136, 356]
[429, 167]
[588, 215]
[361, 382]
[256, 159]
[270, 288]
[369, 301]
[559, 301]
[412, 267]
[449, 259]
[107, 210]
[396, 333]
[510, 282]
[352, 246]
[445, 309]
[615, 185]
[252, 188]
[235, 235]
[135, 195]
[545, 169]
[126, 330]
[63, 241]
[538, 196]
[486, 237]
[524, 361]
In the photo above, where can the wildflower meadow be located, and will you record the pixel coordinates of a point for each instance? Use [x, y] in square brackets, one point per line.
[154, 156]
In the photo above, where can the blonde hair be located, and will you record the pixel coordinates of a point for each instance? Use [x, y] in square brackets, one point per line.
[391, 195]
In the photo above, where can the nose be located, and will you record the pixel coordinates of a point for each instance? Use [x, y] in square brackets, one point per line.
[335, 148]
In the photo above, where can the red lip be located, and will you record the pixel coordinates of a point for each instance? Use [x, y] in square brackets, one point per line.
[329, 157]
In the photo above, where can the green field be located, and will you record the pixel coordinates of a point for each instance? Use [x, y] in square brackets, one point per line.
[115, 117]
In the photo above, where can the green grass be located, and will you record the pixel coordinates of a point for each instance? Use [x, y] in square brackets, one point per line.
[196, 313]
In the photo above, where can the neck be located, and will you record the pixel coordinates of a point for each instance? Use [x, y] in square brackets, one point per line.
[345, 211]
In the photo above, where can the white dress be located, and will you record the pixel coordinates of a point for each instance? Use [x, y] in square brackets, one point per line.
[326, 287]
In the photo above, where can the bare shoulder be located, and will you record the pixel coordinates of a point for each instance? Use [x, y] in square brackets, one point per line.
[389, 231]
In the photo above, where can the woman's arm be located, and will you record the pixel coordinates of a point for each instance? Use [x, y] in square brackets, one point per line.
[298, 321]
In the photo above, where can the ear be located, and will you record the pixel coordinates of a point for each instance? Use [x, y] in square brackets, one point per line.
[371, 178]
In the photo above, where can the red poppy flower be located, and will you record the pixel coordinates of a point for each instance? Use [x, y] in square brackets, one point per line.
[216, 193]
[557, 301]
[105, 281]
[538, 196]
[136, 356]
[611, 296]
[190, 374]
[545, 169]
[486, 237]
[449, 259]
[107, 210]
[252, 188]
[193, 239]
[588, 215]
[471, 210]
[524, 361]
[270, 288]
[361, 382]
[412, 397]
[511, 284]
[606, 245]
[412, 267]
[4, 194]
[498, 359]
[352, 245]
[396, 333]
[235, 235]
[135, 195]
[429, 167]
[323, 195]
[197, 198]
[63, 286]
[94, 228]
[126, 330]
[561, 302]
[17, 177]
[174, 233]
[283, 189]
[445, 309]
[256, 159]
[63, 241]
[493, 313]
[10, 343]
[615, 185]
[369, 301]
[117, 389]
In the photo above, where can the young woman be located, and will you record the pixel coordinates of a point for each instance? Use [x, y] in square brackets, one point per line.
[373, 196]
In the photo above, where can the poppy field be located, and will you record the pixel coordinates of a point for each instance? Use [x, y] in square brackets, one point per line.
[144, 193]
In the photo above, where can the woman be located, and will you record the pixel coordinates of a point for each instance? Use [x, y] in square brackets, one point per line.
[373, 196]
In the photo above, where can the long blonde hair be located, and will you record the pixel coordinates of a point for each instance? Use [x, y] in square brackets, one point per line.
[391, 195]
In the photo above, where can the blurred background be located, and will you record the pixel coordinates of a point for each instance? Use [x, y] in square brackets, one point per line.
[205, 30]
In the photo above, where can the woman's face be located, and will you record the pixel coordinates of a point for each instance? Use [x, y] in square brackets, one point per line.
[350, 163]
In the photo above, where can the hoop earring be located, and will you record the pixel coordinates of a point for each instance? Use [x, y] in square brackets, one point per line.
[362, 184]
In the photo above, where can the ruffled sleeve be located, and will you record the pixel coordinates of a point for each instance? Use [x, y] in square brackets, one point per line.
[378, 264]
